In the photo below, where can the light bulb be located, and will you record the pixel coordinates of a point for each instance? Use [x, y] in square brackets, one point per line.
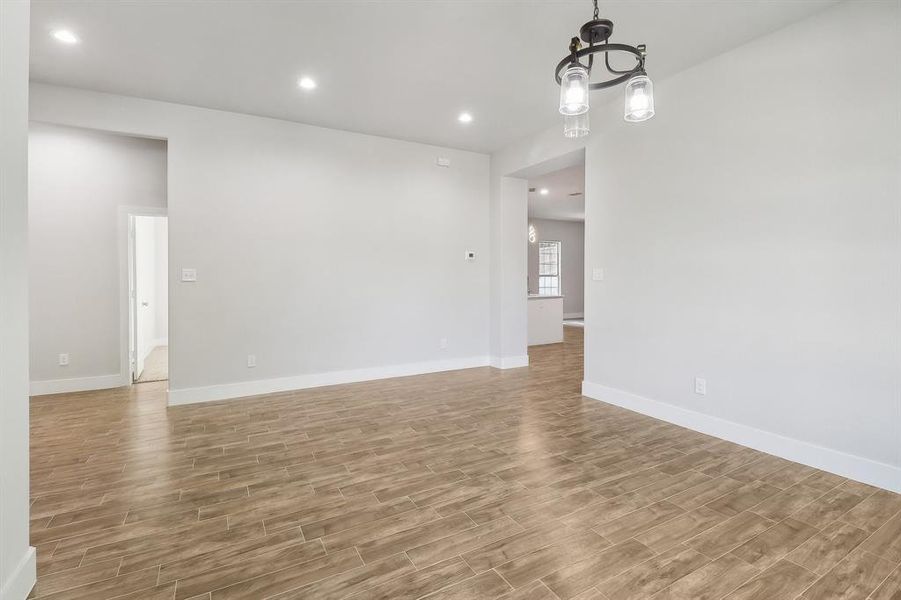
[575, 97]
[639, 99]
[574, 91]
[576, 126]
[65, 36]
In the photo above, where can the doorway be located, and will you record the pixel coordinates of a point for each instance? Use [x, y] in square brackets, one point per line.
[556, 254]
[148, 261]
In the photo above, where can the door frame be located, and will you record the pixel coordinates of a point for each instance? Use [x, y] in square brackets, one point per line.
[126, 268]
[557, 161]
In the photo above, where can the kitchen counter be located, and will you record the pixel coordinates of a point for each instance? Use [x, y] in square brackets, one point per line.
[545, 323]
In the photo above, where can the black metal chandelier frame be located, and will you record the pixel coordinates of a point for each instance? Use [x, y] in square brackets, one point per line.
[596, 33]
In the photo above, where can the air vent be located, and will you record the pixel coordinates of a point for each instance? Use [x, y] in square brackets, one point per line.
[576, 194]
[531, 190]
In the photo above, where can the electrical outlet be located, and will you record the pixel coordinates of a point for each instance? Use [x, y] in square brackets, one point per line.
[700, 386]
[597, 274]
[63, 360]
[189, 274]
[251, 361]
[443, 343]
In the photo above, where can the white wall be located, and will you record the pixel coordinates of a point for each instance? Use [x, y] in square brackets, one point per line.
[17, 558]
[329, 255]
[750, 235]
[508, 212]
[571, 235]
[78, 180]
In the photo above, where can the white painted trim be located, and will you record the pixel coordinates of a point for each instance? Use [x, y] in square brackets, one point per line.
[299, 382]
[22, 578]
[510, 362]
[79, 384]
[847, 465]
[578, 315]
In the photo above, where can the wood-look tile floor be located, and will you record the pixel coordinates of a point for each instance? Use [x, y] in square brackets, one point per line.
[470, 484]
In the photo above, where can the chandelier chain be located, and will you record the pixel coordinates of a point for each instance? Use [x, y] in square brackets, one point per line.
[595, 9]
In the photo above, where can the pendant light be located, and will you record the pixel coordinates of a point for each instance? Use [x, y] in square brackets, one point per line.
[574, 77]
[639, 99]
[574, 91]
[576, 126]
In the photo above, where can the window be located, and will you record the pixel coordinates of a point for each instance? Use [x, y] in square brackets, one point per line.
[549, 269]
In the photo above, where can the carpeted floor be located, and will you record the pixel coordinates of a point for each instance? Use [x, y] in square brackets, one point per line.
[156, 365]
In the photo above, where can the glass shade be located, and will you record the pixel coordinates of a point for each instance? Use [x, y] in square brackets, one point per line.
[576, 126]
[574, 91]
[639, 99]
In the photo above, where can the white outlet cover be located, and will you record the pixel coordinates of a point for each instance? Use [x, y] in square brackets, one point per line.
[251, 361]
[189, 274]
[442, 161]
[597, 274]
[700, 386]
[63, 360]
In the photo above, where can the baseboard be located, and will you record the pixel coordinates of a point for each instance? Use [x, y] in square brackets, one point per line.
[578, 315]
[285, 384]
[22, 578]
[80, 384]
[510, 362]
[847, 465]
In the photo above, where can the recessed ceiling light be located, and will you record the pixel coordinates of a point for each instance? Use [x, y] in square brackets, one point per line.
[465, 117]
[544, 191]
[65, 36]
[306, 83]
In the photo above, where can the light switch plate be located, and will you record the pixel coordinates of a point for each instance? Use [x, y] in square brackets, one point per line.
[189, 274]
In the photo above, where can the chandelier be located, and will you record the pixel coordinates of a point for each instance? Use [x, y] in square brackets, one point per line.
[574, 77]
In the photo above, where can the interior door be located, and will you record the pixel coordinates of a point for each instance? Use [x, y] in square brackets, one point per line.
[145, 289]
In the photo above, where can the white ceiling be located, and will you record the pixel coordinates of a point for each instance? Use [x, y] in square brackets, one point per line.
[558, 203]
[403, 69]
